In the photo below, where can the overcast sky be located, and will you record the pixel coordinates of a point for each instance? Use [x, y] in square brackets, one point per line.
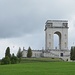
[22, 22]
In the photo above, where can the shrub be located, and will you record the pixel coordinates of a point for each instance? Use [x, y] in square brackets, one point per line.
[13, 59]
[5, 60]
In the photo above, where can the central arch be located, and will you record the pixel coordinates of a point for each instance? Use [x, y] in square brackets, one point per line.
[56, 41]
[59, 39]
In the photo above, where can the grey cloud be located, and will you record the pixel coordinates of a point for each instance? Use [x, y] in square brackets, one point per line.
[18, 18]
[16, 21]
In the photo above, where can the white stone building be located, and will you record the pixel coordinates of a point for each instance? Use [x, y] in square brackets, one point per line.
[59, 27]
[35, 53]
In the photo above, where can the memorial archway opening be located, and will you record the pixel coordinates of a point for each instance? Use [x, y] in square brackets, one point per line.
[57, 40]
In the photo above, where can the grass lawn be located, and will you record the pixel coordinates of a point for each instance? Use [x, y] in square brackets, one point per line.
[39, 68]
[40, 60]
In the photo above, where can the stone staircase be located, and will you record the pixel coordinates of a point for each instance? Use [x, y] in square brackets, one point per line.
[49, 53]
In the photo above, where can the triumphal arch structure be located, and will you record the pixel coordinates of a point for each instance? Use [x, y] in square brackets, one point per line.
[59, 27]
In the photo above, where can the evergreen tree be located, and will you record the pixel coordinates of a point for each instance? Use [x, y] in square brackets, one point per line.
[7, 53]
[13, 59]
[19, 53]
[29, 53]
[72, 53]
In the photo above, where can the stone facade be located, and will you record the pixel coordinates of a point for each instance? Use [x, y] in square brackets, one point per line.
[35, 53]
[64, 54]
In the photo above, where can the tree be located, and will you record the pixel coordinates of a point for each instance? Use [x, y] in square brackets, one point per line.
[72, 53]
[29, 53]
[13, 59]
[8, 58]
[7, 53]
[5, 60]
[19, 53]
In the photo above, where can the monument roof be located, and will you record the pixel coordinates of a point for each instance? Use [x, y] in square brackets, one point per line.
[50, 21]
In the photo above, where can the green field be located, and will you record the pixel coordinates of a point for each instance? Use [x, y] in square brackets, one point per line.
[39, 68]
[23, 60]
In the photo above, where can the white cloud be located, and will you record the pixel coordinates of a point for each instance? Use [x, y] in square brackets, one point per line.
[71, 30]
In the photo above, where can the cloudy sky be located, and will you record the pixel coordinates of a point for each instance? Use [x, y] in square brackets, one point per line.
[22, 22]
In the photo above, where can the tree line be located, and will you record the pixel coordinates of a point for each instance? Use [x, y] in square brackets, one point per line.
[12, 58]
